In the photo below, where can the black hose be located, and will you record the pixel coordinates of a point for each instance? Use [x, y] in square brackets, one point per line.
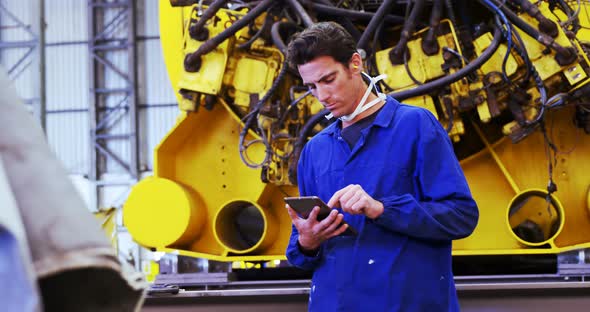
[178, 3]
[267, 95]
[353, 15]
[396, 55]
[292, 105]
[545, 25]
[409, 72]
[430, 43]
[276, 32]
[570, 12]
[384, 8]
[246, 45]
[563, 56]
[295, 5]
[520, 48]
[251, 117]
[565, 7]
[197, 31]
[435, 84]
[345, 22]
[372, 60]
[192, 61]
[543, 93]
[300, 143]
[451, 12]
[449, 109]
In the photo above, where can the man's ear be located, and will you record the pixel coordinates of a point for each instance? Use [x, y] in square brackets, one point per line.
[356, 63]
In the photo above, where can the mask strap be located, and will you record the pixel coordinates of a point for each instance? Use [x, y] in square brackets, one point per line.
[361, 107]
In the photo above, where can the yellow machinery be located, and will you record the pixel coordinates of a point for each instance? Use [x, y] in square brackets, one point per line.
[509, 82]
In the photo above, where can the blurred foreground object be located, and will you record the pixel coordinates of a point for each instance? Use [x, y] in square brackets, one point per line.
[75, 265]
[15, 258]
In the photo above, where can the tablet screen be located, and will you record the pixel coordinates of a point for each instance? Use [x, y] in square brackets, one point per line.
[305, 204]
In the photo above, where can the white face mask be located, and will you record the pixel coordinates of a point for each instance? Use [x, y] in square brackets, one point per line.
[361, 107]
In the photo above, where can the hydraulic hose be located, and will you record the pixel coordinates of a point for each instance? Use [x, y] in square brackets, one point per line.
[291, 106]
[197, 31]
[546, 25]
[451, 12]
[253, 115]
[563, 55]
[429, 43]
[345, 22]
[192, 61]
[522, 51]
[353, 15]
[276, 32]
[435, 84]
[396, 55]
[263, 29]
[375, 21]
[295, 5]
[573, 18]
[178, 3]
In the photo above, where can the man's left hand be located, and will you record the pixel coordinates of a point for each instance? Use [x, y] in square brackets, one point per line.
[354, 200]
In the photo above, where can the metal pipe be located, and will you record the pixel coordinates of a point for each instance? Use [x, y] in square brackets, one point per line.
[133, 96]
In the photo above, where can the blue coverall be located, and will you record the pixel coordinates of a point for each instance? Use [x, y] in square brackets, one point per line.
[400, 261]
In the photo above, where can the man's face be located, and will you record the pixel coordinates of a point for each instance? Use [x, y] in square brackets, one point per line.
[331, 83]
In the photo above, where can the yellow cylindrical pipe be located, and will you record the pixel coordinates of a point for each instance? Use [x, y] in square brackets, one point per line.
[242, 227]
[163, 213]
[537, 214]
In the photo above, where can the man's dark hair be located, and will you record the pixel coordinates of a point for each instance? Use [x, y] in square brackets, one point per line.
[321, 39]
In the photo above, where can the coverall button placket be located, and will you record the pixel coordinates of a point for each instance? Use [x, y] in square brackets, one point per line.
[342, 143]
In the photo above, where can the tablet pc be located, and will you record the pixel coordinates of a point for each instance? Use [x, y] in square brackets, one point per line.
[304, 205]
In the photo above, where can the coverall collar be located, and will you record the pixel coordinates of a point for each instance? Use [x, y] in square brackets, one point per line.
[384, 117]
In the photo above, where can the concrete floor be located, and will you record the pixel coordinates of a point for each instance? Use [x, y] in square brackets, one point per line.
[504, 300]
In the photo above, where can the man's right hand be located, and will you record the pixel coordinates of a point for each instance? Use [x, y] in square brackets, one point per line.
[313, 232]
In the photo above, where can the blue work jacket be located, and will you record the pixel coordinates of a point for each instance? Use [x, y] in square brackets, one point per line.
[400, 261]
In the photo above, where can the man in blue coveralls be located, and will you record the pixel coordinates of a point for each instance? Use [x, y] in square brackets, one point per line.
[391, 171]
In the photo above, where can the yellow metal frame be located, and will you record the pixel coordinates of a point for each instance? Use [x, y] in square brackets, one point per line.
[199, 158]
